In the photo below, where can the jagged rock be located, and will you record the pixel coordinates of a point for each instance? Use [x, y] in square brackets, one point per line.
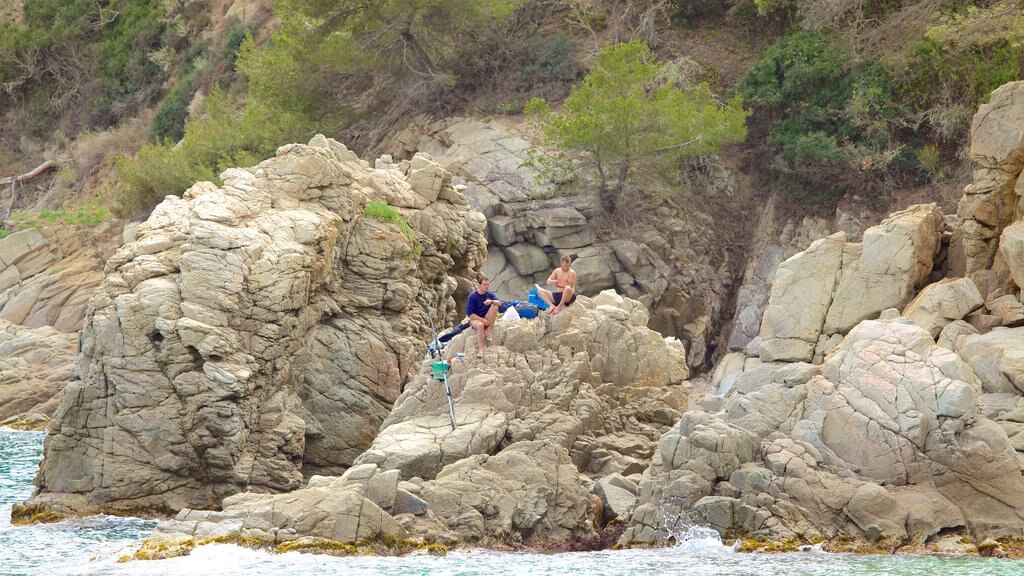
[529, 489]
[47, 275]
[1008, 309]
[997, 132]
[943, 302]
[850, 449]
[618, 495]
[1011, 248]
[951, 337]
[884, 270]
[991, 202]
[254, 333]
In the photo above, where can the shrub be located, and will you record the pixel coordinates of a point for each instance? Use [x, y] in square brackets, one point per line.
[945, 82]
[169, 120]
[227, 136]
[833, 125]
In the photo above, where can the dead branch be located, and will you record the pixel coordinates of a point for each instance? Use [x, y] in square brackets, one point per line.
[15, 180]
[45, 166]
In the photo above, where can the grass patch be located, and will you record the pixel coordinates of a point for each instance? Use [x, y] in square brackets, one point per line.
[89, 215]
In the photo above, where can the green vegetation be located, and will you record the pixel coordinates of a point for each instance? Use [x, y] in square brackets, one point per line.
[382, 211]
[848, 110]
[828, 123]
[228, 136]
[385, 213]
[631, 111]
[80, 63]
[89, 214]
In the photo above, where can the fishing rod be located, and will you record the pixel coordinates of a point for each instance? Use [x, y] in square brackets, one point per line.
[444, 370]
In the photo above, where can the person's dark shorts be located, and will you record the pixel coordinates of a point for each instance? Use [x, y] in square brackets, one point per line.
[557, 297]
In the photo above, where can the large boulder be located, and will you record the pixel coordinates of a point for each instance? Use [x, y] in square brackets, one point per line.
[945, 301]
[800, 298]
[255, 333]
[830, 287]
[886, 269]
[997, 358]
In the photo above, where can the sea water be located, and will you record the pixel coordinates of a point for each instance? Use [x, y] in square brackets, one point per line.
[93, 545]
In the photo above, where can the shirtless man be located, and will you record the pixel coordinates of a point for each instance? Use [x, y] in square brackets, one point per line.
[564, 279]
[482, 309]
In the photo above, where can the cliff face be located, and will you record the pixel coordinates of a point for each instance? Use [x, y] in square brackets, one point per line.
[256, 332]
[877, 404]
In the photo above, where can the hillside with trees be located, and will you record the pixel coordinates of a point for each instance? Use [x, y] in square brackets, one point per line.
[133, 100]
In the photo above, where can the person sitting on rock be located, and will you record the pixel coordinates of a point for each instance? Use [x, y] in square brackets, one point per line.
[482, 309]
[564, 279]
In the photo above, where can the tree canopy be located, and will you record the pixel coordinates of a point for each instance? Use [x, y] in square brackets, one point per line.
[630, 110]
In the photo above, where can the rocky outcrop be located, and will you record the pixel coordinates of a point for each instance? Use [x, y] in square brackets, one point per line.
[35, 363]
[884, 442]
[834, 284]
[906, 428]
[678, 268]
[47, 276]
[993, 199]
[255, 333]
[561, 412]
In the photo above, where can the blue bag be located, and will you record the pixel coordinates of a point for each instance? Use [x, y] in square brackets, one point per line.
[527, 310]
[536, 299]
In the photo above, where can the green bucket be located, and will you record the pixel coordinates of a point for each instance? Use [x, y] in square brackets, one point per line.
[440, 369]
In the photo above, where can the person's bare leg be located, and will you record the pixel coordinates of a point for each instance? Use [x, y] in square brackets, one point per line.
[556, 308]
[492, 315]
[480, 327]
[546, 296]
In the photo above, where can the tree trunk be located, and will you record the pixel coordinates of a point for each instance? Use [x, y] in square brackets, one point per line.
[417, 50]
[610, 197]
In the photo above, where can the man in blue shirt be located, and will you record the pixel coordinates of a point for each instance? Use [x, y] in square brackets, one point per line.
[482, 309]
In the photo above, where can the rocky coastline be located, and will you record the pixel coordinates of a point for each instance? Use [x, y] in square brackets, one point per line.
[253, 368]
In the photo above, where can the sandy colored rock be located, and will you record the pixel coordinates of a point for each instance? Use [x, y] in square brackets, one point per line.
[943, 302]
[255, 332]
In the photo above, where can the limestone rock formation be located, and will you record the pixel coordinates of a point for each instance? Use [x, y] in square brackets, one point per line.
[559, 408]
[256, 333]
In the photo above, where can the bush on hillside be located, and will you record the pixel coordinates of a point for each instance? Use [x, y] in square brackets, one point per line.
[229, 135]
[832, 124]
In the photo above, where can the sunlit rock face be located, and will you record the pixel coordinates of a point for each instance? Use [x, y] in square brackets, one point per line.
[257, 332]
